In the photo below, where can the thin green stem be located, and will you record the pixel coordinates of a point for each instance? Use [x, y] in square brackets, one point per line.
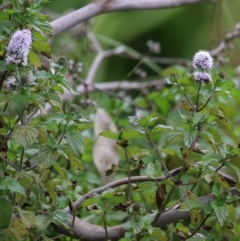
[189, 102]
[198, 94]
[23, 149]
[105, 225]
[61, 137]
[206, 102]
[157, 152]
[129, 175]
[8, 162]
[21, 158]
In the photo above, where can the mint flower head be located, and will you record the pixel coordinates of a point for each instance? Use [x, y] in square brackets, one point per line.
[202, 77]
[202, 59]
[18, 47]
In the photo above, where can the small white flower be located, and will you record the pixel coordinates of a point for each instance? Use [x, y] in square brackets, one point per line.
[18, 47]
[202, 59]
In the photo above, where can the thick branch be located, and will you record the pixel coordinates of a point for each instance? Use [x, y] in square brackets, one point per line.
[90, 232]
[104, 6]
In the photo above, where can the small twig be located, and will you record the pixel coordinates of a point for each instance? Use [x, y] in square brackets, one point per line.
[157, 152]
[101, 55]
[122, 85]
[223, 44]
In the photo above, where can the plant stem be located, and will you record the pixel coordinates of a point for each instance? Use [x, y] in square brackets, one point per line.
[8, 162]
[129, 175]
[189, 102]
[200, 85]
[157, 152]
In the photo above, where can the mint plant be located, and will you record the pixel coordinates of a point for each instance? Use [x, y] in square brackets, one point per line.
[48, 189]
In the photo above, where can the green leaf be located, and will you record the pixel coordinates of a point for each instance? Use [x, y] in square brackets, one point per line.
[158, 234]
[5, 213]
[25, 135]
[197, 239]
[10, 234]
[189, 135]
[168, 151]
[42, 135]
[27, 217]
[110, 135]
[74, 162]
[216, 112]
[131, 134]
[190, 204]
[109, 193]
[57, 117]
[160, 128]
[42, 222]
[61, 215]
[221, 211]
[34, 60]
[59, 169]
[50, 189]
[14, 186]
[153, 169]
[90, 201]
[47, 156]
[149, 121]
[76, 143]
[198, 118]
[55, 101]
[234, 168]
[21, 101]
[42, 47]
[187, 156]
[68, 86]
[136, 153]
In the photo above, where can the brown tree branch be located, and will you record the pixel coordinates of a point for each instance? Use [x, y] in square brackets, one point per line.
[90, 232]
[98, 7]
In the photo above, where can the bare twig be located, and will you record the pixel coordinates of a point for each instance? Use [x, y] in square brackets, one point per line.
[101, 55]
[122, 85]
[224, 43]
[98, 7]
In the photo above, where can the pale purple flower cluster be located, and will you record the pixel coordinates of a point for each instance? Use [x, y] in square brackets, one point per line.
[18, 47]
[202, 77]
[203, 60]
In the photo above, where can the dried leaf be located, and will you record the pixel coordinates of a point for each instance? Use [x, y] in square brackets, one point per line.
[105, 150]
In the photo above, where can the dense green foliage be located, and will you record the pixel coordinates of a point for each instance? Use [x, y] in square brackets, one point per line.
[177, 138]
